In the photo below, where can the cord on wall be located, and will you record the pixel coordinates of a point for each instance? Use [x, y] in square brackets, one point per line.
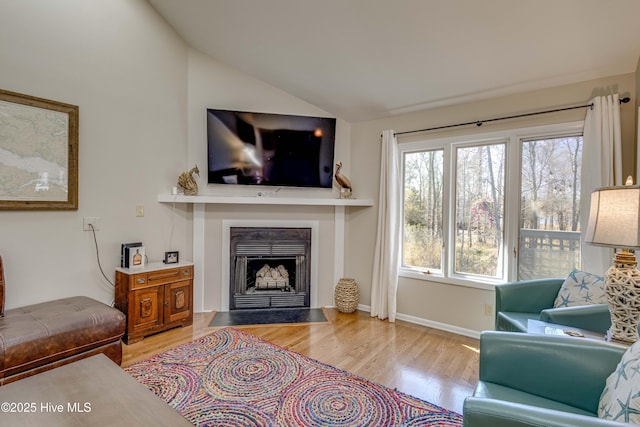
[173, 223]
[95, 240]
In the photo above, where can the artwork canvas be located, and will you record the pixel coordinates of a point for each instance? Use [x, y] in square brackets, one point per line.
[38, 153]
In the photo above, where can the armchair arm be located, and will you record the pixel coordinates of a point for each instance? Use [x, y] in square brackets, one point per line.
[594, 317]
[528, 296]
[481, 412]
[569, 370]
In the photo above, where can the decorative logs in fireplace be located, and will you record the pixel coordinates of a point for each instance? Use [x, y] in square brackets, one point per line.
[272, 278]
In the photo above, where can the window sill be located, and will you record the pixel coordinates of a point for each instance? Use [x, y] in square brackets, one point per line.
[439, 278]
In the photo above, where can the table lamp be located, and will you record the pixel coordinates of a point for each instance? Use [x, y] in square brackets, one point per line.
[614, 221]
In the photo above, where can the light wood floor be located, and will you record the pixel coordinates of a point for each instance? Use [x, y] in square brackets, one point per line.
[437, 366]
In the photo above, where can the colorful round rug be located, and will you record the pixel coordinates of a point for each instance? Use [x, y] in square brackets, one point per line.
[233, 378]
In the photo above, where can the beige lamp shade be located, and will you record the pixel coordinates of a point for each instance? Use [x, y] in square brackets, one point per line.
[614, 217]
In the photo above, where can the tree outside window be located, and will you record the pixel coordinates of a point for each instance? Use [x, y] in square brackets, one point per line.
[479, 210]
[423, 198]
[550, 207]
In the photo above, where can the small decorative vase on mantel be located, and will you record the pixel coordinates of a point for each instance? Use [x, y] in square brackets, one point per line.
[347, 295]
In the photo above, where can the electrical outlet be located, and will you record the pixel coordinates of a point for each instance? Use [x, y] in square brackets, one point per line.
[488, 309]
[139, 210]
[91, 221]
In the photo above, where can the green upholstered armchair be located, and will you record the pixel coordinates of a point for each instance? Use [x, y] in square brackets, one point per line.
[543, 381]
[517, 302]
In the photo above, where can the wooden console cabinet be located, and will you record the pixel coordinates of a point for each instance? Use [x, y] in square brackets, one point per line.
[155, 298]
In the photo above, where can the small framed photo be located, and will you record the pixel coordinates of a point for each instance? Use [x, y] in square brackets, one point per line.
[125, 250]
[136, 257]
[171, 257]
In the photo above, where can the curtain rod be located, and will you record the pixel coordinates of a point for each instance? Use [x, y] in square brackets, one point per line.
[481, 122]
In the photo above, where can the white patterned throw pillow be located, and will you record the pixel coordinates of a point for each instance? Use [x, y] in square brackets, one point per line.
[620, 399]
[581, 288]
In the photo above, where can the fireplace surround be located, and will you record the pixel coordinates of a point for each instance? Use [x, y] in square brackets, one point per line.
[210, 290]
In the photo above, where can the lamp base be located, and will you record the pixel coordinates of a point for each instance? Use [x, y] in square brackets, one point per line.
[623, 295]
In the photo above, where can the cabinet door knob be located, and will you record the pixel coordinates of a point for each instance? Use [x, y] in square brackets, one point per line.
[140, 280]
[185, 272]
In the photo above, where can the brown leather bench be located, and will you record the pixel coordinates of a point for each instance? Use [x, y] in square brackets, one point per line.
[43, 336]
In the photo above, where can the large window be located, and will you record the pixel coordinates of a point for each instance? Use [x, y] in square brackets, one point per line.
[493, 207]
[479, 209]
[549, 209]
[423, 202]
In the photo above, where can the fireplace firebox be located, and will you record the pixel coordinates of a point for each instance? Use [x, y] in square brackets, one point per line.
[269, 267]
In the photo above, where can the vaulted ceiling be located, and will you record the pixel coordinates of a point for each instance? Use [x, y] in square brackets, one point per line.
[366, 59]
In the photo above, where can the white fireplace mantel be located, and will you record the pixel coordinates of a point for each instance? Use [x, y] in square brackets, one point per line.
[253, 200]
[199, 203]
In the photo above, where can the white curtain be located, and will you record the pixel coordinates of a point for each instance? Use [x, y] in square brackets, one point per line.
[386, 261]
[637, 181]
[601, 167]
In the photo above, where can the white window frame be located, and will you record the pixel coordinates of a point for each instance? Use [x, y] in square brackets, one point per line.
[512, 139]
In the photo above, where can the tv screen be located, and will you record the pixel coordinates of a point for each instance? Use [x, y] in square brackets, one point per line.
[270, 149]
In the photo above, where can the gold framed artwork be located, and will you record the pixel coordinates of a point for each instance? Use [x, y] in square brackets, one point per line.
[38, 153]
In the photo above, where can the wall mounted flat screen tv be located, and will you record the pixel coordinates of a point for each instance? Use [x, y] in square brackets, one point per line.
[270, 149]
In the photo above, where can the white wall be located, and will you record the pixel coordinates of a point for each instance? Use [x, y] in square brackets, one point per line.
[142, 95]
[460, 309]
[127, 71]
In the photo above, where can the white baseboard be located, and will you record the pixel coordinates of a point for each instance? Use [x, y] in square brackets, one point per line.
[424, 322]
[430, 323]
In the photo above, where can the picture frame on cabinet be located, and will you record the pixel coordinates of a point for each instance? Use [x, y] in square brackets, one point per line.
[171, 257]
[136, 257]
[125, 250]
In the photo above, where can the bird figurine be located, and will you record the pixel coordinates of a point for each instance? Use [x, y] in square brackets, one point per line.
[188, 183]
[343, 182]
